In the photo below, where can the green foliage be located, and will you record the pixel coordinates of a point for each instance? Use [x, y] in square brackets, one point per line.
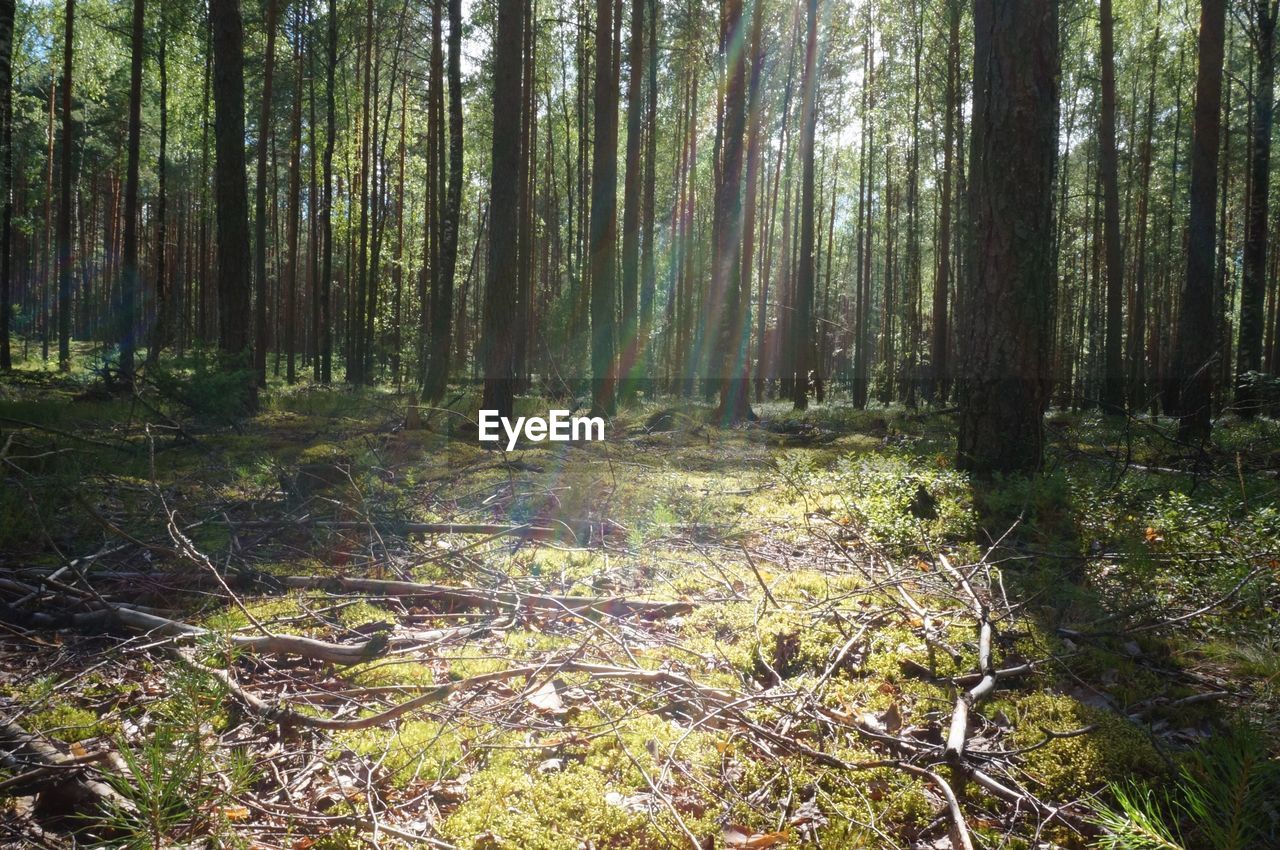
[211, 389]
[167, 785]
[1226, 797]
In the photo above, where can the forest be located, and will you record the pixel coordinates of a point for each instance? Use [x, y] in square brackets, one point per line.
[934, 349]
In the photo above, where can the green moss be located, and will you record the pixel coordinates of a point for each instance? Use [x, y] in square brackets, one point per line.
[752, 641]
[418, 751]
[888, 800]
[68, 723]
[1067, 768]
[231, 617]
[558, 811]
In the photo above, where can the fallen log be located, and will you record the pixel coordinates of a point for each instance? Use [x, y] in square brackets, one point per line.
[63, 789]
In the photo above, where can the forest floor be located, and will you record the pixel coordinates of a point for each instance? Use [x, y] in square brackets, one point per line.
[342, 623]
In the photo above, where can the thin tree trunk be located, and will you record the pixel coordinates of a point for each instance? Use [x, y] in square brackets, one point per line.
[260, 216]
[162, 331]
[65, 200]
[7, 10]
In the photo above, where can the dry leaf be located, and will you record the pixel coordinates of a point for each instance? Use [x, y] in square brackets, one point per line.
[547, 699]
[741, 836]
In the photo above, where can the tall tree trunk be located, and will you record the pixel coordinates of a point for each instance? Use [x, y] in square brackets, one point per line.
[1138, 320]
[754, 119]
[127, 318]
[7, 9]
[355, 331]
[292, 225]
[939, 374]
[398, 261]
[728, 364]
[1113, 379]
[802, 328]
[66, 199]
[260, 216]
[1008, 315]
[648, 273]
[231, 191]
[163, 329]
[504, 200]
[1190, 387]
[442, 309]
[631, 202]
[429, 279]
[326, 207]
[604, 216]
[913, 277]
[1262, 31]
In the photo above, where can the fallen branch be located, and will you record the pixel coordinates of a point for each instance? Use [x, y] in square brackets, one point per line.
[493, 599]
[59, 779]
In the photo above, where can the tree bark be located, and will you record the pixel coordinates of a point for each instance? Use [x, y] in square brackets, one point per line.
[1190, 387]
[7, 10]
[938, 385]
[1253, 282]
[604, 217]
[127, 327]
[802, 328]
[631, 201]
[163, 329]
[1113, 377]
[501, 290]
[1008, 316]
[65, 192]
[231, 192]
[260, 217]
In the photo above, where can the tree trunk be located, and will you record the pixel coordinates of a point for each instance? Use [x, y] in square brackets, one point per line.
[1190, 387]
[939, 375]
[1253, 283]
[631, 201]
[1008, 316]
[442, 310]
[292, 225]
[260, 217]
[231, 191]
[1113, 378]
[802, 328]
[65, 199]
[648, 273]
[604, 216]
[728, 365]
[504, 201]
[129, 279]
[163, 329]
[7, 9]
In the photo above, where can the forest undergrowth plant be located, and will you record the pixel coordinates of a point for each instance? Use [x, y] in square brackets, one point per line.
[165, 779]
[1226, 796]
